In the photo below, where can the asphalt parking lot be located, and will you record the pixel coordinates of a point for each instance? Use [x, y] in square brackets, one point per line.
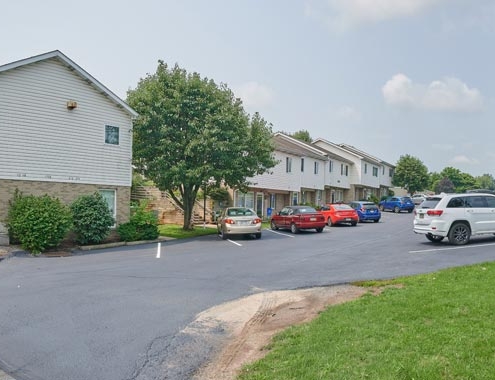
[125, 313]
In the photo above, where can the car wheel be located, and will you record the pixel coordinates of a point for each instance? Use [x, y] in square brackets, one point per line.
[273, 226]
[258, 235]
[223, 235]
[330, 223]
[409, 211]
[434, 238]
[376, 220]
[381, 208]
[396, 209]
[354, 224]
[294, 229]
[459, 233]
[319, 229]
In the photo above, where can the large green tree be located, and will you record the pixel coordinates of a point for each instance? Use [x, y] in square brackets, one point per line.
[485, 181]
[192, 133]
[411, 174]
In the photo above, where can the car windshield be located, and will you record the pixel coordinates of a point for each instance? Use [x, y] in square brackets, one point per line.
[239, 212]
[304, 210]
[430, 202]
[342, 207]
[406, 199]
[369, 206]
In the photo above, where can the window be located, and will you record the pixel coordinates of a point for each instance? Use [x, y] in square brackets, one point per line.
[302, 164]
[390, 172]
[288, 165]
[111, 135]
[330, 166]
[375, 171]
[365, 168]
[346, 170]
[341, 169]
[316, 167]
[244, 199]
[383, 170]
[110, 197]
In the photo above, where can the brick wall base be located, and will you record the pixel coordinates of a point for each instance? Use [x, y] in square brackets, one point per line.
[66, 192]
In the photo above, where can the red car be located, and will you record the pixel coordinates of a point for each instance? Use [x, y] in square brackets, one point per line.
[340, 213]
[295, 218]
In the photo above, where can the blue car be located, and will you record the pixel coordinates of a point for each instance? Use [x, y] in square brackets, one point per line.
[367, 211]
[397, 204]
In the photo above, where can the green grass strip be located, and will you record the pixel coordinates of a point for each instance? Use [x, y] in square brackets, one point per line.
[434, 326]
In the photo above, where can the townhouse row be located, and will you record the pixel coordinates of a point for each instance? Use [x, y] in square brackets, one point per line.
[317, 173]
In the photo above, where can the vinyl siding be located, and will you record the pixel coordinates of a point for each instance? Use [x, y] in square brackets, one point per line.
[41, 140]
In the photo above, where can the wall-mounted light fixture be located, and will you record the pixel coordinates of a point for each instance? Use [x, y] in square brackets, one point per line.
[71, 104]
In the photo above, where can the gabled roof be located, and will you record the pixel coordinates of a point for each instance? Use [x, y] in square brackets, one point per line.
[364, 154]
[285, 143]
[333, 155]
[56, 54]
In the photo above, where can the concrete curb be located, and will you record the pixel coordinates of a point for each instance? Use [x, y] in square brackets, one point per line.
[120, 244]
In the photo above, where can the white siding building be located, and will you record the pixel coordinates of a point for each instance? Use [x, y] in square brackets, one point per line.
[62, 133]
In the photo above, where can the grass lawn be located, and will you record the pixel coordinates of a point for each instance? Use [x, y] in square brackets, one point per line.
[176, 231]
[434, 326]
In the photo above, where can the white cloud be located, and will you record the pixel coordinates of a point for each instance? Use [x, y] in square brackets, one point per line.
[461, 159]
[344, 14]
[254, 94]
[448, 94]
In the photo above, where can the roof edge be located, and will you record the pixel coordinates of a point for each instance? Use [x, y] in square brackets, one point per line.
[83, 73]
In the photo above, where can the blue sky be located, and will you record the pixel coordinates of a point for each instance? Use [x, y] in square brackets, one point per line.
[391, 77]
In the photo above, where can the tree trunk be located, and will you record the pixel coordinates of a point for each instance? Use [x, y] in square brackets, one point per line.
[188, 203]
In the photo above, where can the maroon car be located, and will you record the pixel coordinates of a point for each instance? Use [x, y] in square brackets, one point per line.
[297, 218]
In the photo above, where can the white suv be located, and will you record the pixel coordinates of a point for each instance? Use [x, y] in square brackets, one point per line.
[455, 216]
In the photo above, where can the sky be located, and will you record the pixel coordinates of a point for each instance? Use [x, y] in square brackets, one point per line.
[390, 77]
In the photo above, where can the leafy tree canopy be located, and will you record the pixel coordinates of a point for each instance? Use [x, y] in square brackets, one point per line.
[302, 135]
[192, 132]
[411, 174]
[445, 185]
[486, 181]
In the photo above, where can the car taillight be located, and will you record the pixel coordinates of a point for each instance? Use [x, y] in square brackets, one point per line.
[362, 209]
[229, 221]
[434, 212]
[256, 221]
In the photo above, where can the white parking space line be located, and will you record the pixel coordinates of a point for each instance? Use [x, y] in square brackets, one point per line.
[234, 242]
[452, 248]
[280, 233]
[158, 250]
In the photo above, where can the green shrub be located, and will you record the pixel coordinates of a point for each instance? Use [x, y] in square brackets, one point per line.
[38, 222]
[143, 225]
[92, 218]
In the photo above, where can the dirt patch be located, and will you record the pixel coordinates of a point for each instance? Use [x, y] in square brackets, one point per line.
[251, 322]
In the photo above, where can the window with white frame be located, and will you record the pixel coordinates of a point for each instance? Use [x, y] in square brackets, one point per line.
[111, 135]
[288, 164]
[346, 170]
[110, 196]
[341, 169]
[317, 166]
[330, 166]
[302, 164]
[375, 171]
[244, 199]
[365, 168]
[390, 172]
